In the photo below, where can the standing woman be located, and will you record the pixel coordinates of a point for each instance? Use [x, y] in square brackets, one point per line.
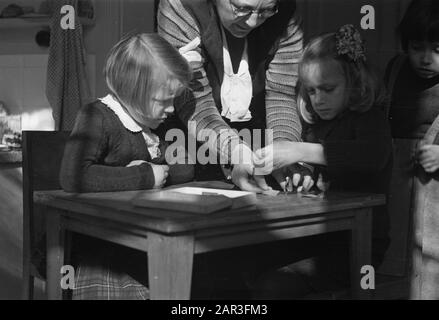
[244, 54]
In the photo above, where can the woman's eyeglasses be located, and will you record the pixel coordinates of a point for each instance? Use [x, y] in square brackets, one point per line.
[241, 12]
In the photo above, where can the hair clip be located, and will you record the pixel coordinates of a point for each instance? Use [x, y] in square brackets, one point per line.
[349, 43]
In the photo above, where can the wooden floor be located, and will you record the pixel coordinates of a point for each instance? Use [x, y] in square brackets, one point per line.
[387, 288]
[11, 234]
[11, 226]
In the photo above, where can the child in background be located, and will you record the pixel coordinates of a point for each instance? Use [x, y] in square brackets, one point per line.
[112, 148]
[412, 79]
[345, 131]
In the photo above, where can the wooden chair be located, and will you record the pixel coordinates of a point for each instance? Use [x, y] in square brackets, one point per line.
[42, 155]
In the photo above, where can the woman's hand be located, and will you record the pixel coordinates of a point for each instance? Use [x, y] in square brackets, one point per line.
[188, 51]
[136, 163]
[242, 177]
[161, 172]
[245, 174]
[428, 157]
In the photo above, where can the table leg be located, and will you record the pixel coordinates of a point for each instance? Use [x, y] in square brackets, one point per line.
[55, 254]
[361, 243]
[170, 261]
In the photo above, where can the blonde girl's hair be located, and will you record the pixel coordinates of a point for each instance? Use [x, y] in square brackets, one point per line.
[138, 67]
[364, 90]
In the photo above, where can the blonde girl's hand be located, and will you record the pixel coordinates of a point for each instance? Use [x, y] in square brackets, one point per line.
[161, 172]
[136, 163]
[295, 175]
[280, 175]
[301, 177]
[304, 185]
[428, 157]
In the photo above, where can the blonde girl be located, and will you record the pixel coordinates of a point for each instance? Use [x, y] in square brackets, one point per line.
[112, 148]
[346, 137]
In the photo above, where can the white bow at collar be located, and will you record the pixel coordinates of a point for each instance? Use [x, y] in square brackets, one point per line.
[236, 89]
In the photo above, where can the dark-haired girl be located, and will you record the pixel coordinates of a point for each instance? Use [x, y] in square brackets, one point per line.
[413, 79]
[413, 82]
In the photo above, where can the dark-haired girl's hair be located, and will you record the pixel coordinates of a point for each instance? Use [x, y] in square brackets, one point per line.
[420, 22]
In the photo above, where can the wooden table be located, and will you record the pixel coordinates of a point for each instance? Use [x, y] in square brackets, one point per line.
[171, 239]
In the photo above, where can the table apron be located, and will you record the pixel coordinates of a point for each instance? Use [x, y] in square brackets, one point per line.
[205, 242]
[213, 239]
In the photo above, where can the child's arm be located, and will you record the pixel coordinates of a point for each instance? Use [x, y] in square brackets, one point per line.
[284, 153]
[428, 157]
[368, 152]
[82, 169]
[180, 171]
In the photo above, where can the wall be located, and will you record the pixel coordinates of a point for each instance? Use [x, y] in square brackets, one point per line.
[22, 88]
[23, 63]
[320, 16]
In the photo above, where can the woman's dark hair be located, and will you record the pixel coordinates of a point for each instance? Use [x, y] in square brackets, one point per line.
[420, 22]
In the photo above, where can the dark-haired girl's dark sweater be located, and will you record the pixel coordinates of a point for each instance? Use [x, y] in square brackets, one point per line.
[414, 102]
[358, 150]
[100, 148]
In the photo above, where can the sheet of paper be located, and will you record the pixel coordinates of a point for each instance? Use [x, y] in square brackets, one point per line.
[271, 193]
[208, 191]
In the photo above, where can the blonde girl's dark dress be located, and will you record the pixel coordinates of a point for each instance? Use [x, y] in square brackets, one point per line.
[103, 142]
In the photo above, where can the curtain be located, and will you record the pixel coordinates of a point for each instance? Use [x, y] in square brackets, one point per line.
[67, 87]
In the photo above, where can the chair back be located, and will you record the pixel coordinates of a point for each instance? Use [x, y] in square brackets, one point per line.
[42, 156]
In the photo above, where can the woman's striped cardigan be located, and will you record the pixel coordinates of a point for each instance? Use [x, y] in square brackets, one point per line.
[276, 46]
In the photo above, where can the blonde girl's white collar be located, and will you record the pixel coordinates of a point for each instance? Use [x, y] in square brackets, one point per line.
[123, 116]
[152, 140]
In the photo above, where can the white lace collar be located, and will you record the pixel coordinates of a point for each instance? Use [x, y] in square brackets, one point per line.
[123, 116]
[152, 140]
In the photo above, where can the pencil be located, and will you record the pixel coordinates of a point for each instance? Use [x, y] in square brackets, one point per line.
[287, 181]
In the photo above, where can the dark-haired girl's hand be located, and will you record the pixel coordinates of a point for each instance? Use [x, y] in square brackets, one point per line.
[428, 157]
